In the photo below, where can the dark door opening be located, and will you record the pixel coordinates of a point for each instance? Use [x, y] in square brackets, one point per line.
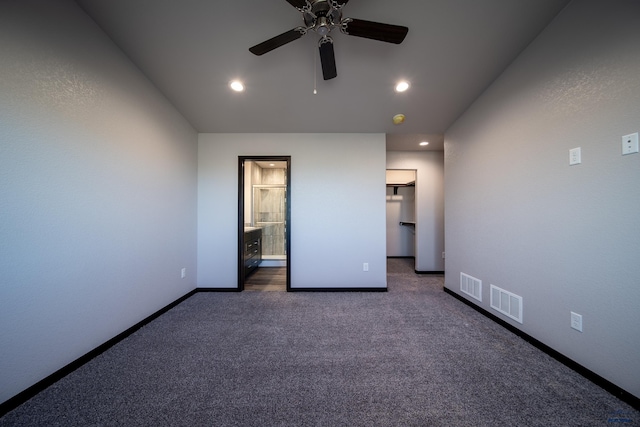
[264, 223]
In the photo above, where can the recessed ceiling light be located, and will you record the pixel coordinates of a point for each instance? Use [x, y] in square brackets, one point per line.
[236, 85]
[271, 164]
[402, 86]
[424, 143]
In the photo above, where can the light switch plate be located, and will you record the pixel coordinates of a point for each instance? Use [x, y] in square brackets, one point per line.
[575, 156]
[630, 144]
[576, 321]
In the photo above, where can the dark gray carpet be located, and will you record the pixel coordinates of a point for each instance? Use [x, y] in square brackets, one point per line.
[414, 356]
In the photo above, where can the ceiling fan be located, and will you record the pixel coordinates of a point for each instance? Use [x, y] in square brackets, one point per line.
[323, 16]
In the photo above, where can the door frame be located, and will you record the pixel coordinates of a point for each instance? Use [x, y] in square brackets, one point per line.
[241, 197]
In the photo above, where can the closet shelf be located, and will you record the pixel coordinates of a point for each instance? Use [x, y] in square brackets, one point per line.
[395, 186]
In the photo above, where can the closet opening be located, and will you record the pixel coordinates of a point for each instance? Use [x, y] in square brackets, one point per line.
[264, 223]
[401, 213]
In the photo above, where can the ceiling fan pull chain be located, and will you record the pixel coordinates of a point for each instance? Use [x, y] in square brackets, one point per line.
[315, 73]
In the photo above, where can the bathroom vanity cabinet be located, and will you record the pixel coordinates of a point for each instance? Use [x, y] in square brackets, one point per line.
[252, 250]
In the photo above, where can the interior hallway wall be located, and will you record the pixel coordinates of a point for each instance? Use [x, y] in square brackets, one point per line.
[97, 192]
[337, 207]
[565, 238]
[429, 202]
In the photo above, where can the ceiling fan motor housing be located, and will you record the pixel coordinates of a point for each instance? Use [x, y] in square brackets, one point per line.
[322, 17]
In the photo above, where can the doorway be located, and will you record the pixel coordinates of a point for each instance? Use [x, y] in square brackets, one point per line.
[401, 213]
[264, 223]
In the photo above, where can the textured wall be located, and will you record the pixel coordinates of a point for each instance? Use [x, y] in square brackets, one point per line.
[429, 204]
[337, 207]
[97, 192]
[565, 238]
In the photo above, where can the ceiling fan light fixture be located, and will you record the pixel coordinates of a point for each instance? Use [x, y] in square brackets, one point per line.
[236, 86]
[402, 86]
[322, 26]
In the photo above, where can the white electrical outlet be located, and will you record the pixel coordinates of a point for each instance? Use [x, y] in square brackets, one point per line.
[365, 266]
[576, 321]
[183, 273]
[575, 156]
[630, 144]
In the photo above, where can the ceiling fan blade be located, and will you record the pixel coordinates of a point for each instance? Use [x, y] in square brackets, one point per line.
[374, 30]
[277, 41]
[327, 59]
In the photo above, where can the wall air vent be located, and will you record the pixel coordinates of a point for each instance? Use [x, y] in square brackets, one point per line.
[506, 303]
[471, 286]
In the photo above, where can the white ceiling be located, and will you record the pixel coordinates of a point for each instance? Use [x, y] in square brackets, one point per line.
[192, 49]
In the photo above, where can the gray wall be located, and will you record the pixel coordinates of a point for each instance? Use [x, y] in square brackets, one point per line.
[429, 200]
[337, 207]
[565, 238]
[97, 192]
